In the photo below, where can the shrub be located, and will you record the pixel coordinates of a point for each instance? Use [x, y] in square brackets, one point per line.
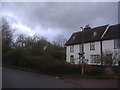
[48, 65]
[57, 55]
[116, 70]
[95, 70]
[63, 68]
[87, 68]
[35, 62]
[12, 56]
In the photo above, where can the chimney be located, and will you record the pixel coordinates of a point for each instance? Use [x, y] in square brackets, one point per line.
[87, 27]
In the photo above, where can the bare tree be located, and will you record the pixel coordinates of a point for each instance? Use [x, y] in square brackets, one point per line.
[20, 42]
[111, 58]
[60, 40]
[6, 35]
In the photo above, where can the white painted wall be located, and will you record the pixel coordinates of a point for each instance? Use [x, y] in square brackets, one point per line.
[108, 45]
[89, 52]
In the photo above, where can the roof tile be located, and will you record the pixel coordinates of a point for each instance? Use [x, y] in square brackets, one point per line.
[89, 36]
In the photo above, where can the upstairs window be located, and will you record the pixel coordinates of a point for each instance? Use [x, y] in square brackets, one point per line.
[92, 46]
[73, 37]
[117, 44]
[80, 47]
[72, 48]
[95, 34]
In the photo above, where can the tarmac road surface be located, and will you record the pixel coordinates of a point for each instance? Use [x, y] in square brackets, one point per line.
[21, 79]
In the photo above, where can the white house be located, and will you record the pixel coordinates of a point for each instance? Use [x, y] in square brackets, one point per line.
[99, 41]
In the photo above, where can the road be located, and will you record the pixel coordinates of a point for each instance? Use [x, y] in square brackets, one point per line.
[21, 79]
[0, 77]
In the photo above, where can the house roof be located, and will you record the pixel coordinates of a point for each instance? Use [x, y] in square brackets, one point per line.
[95, 34]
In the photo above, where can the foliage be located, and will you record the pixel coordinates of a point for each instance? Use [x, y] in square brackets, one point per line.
[60, 40]
[116, 70]
[65, 68]
[45, 65]
[87, 67]
[110, 58]
[95, 70]
[6, 35]
[58, 55]
[12, 56]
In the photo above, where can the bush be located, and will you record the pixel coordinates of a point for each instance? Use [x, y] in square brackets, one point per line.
[35, 62]
[12, 56]
[57, 55]
[87, 68]
[95, 70]
[48, 65]
[116, 70]
[63, 68]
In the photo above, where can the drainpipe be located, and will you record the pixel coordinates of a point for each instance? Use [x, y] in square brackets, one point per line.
[101, 46]
[101, 52]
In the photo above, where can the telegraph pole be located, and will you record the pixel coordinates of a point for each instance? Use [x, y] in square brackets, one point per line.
[82, 50]
[81, 54]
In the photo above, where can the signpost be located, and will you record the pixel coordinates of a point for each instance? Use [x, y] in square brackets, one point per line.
[81, 60]
[81, 54]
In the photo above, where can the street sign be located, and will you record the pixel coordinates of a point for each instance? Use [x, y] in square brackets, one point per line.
[84, 60]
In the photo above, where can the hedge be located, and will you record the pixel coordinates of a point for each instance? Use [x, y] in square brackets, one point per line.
[48, 65]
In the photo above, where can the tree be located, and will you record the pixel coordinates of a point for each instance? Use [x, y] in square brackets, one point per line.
[110, 58]
[60, 40]
[6, 35]
[20, 42]
[39, 45]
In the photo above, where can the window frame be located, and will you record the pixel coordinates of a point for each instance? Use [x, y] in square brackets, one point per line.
[71, 58]
[116, 43]
[72, 48]
[94, 58]
[80, 47]
[92, 45]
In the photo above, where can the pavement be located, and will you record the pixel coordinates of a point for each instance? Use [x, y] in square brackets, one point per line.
[21, 79]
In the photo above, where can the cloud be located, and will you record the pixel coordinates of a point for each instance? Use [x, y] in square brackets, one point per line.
[61, 17]
[48, 32]
[24, 29]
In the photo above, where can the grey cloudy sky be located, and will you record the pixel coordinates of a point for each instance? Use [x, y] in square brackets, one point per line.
[50, 19]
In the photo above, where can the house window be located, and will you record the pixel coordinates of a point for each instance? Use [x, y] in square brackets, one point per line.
[72, 48]
[73, 37]
[80, 47]
[95, 58]
[92, 46]
[95, 33]
[71, 58]
[117, 44]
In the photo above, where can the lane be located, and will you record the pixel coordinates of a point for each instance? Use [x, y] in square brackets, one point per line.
[21, 79]
[93, 83]
[0, 78]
